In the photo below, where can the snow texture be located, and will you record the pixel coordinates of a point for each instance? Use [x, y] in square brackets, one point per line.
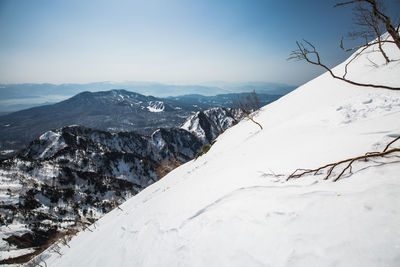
[230, 207]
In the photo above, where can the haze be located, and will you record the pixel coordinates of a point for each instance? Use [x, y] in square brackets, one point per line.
[165, 41]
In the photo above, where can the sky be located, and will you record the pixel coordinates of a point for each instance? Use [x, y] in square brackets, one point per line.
[174, 41]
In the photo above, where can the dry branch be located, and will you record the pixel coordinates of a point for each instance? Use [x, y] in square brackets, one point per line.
[349, 162]
[37, 261]
[361, 46]
[390, 143]
[55, 248]
[370, 27]
[371, 18]
[249, 106]
[381, 16]
[306, 52]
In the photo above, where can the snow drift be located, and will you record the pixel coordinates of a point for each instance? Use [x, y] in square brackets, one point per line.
[231, 207]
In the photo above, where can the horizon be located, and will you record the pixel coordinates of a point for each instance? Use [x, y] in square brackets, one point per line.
[172, 83]
[174, 42]
[17, 97]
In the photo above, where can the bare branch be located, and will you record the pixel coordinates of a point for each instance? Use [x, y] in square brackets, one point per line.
[369, 28]
[389, 144]
[349, 162]
[378, 13]
[37, 262]
[351, 60]
[361, 46]
[303, 53]
[346, 3]
[248, 105]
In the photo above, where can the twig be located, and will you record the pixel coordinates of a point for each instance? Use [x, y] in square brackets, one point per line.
[303, 52]
[378, 14]
[389, 144]
[350, 161]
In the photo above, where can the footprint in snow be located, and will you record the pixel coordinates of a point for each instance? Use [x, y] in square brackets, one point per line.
[369, 101]
[367, 207]
[281, 213]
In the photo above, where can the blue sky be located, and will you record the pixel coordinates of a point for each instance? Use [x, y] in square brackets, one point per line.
[172, 41]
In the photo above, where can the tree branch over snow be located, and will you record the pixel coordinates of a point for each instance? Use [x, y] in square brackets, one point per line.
[301, 172]
[307, 51]
[248, 105]
[372, 21]
[361, 46]
[370, 27]
[378, 13]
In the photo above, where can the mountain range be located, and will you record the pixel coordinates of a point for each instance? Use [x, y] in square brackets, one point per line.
[114, 111]
[15, 97]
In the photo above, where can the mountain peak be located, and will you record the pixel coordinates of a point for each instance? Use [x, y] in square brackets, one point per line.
[110, 93]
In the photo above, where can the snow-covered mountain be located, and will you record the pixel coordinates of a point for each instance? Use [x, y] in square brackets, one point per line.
[208, 124]
[70, 177]
[234, 207]
[114, 111]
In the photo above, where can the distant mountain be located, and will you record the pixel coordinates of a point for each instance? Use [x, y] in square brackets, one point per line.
[259, 87]
[9, 108]
[32, 90]
[69, 177]
[114, 111]
[14, 97]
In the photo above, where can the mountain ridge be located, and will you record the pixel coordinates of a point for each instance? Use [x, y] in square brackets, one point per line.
[114, 110]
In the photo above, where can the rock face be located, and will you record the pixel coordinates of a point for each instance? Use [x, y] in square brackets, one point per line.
[69, 177]
[208, 124]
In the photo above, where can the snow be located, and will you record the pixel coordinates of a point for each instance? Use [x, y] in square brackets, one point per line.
[15, 253]
[156, 106]
[8, 251]
[233, 207]
[7, 151]
[54, 143]
[192, 124]
[122, 171]
[218, 119]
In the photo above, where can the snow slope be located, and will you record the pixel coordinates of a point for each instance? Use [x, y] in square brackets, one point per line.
[227, 208]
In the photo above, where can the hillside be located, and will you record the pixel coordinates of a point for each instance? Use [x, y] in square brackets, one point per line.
[233, 207]
[68, 178]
